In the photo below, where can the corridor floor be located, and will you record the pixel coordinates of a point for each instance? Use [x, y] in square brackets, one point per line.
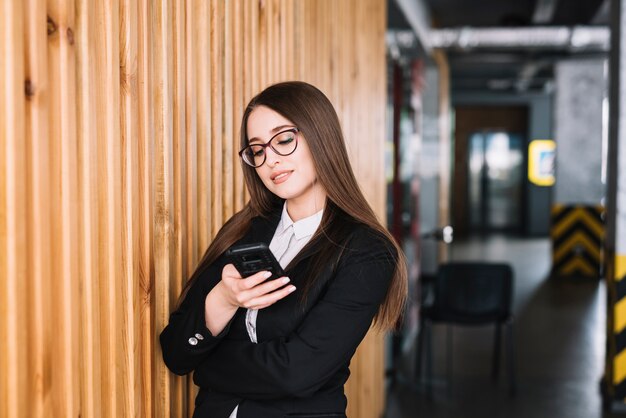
[559, 347]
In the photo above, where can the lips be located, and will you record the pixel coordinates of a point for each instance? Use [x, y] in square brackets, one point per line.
[280, 176]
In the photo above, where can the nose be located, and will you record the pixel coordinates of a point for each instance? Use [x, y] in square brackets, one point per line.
[271, 157]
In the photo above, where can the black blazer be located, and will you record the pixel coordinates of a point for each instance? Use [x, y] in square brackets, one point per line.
[300, 364]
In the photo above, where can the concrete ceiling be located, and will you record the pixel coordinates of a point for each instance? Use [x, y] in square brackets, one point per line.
[502, 69]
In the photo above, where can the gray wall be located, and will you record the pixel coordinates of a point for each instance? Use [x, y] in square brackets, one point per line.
[429, 170]
[539, 198]
[580, 89]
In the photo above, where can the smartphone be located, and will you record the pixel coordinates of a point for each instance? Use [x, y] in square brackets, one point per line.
[252, 258]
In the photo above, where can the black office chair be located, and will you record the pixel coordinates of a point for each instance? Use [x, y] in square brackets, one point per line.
[468, 293]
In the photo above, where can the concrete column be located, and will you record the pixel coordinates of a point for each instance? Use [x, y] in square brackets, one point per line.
[429, 170]
[577, 229]
[580, 91]
[614, 382]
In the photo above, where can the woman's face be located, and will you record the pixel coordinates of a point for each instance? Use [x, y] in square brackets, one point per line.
[291, 177]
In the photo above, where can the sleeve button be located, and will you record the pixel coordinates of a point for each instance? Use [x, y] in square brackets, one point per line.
[193, 341]
[199, 337]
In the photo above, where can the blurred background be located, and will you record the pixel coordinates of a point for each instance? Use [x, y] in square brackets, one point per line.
[504, 128]
[488, 135]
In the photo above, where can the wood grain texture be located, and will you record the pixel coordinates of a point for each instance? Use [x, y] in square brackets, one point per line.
[62, 338]
[37, 192]
[13, 220]
[88, 306]
[119, 127]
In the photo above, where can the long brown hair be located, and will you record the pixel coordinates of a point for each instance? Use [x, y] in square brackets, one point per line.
[314, 115]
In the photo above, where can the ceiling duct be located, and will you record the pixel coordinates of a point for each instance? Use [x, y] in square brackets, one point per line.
[417, 15]
[576, 39]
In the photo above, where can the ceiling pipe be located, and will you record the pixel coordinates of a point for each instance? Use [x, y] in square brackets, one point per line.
[575, 39]
[417, 14]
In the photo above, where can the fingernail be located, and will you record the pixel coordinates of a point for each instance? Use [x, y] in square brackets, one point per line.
[267, 274]
[291, 288]
[286, 280]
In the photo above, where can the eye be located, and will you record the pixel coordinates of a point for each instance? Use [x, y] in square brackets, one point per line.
[285, 141]
[255, 151]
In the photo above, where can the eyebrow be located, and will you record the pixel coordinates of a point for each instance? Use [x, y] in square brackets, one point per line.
[273, 131]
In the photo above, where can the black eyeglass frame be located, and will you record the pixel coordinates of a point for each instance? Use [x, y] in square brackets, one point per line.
[295, 131]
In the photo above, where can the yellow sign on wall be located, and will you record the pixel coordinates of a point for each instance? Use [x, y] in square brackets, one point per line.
[541, 156]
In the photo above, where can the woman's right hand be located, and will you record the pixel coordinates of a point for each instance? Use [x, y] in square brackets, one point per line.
[233, 291]
[252, 292]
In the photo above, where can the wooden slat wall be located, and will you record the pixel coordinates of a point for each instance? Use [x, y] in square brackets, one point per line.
[118, 140]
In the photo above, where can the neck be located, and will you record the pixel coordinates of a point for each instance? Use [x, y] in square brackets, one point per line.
[305, 206]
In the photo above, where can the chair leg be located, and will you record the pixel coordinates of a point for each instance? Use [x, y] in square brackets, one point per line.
[419, 351]
[449, 360]
[495, 368]
[511, 357]
[429, 357]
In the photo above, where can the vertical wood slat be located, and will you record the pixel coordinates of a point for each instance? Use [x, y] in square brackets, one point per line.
[238, 101]
[128, 289]
[179, 143]
[145, 198]
[217, 26]
[13, 205]
[226, 158]
[163, 204]
[249, 62]
[109, 197]
[89, 333]
[262, 45]
[134, 119]
[188, 230]
[204, 30]
[191, 131]
[36, 141]
[64, 394]
[8, 100]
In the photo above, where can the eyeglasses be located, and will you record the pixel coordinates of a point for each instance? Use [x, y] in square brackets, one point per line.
[283, 143]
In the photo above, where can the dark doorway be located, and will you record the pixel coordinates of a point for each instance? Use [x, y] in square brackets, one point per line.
[489, 169]
[495, 179]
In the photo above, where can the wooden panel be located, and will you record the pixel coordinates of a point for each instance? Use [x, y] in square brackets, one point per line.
[203, 115]
[119, 127]
[88, 307]
[166, 386]
[144, 198]
[38, 192]
[62, 337]
[13, 221]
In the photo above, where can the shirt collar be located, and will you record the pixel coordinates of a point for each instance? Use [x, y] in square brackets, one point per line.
[302, 228]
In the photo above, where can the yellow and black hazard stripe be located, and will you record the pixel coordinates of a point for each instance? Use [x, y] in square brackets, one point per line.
[616, 321]
[577, 234]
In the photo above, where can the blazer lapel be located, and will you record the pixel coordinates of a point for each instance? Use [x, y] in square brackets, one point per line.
[263, 229]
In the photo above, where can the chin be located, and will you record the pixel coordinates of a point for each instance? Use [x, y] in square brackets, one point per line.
[285, 195]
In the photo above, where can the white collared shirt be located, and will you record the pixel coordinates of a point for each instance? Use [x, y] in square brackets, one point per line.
[289, 238]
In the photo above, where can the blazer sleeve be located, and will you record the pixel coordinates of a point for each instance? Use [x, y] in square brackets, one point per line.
[186, 340]
[302, 362]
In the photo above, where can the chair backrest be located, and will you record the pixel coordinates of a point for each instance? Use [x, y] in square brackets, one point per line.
[473, 292]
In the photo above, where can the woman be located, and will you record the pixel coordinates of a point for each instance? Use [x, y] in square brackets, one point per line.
[282, 347]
